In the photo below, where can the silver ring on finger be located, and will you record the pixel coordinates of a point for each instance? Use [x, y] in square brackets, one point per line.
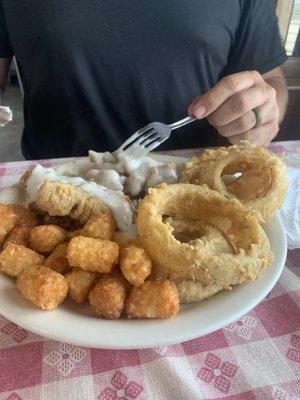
[258, 118]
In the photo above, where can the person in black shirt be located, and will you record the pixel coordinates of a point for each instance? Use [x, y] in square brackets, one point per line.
[95, 71]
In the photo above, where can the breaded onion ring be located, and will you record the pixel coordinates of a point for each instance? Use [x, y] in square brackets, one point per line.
[261, 186]
[196, 261]
[189, 231]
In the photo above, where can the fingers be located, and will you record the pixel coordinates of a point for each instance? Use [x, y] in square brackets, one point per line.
[206, 104]
[261, 136]
[246, 122]
[239, 104]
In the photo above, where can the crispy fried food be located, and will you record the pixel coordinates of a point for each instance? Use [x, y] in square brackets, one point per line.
[66, 222]
[107, 298]
[92, 254]
[58, 198]
[81, 283]
[25, 216]
[44, 238]
[189, 231]
[57, 261]
[100, 226]
[42, 286]
[8, 220]
[194, 291]
[262, 183]
[19, 235]
[135, 264]
[197, 260]
[153, 299]
[15, 258]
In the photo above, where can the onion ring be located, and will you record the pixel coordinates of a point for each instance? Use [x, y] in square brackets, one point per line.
[196, 261]
[188, 230]
[263, 182]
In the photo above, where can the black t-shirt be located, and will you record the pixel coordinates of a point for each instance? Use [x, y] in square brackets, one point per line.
[95, 71]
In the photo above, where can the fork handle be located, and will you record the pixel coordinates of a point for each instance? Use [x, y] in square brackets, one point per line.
[182, 122]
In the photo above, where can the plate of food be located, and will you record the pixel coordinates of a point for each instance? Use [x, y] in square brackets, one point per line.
[110, 251]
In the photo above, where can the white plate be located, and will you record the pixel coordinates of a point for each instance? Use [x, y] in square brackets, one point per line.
[78, 325]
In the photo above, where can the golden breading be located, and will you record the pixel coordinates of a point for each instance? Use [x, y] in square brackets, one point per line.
[15, 258]
[42, 286]
[59, 198]
[92, 254]
[153, 299]
[101, 226]
[135, 264]
[44, 238]
[8, 220]
[25, 216]
[81, 283]
[66, 222]
[19, 235]
[57, 261]
[107, 298]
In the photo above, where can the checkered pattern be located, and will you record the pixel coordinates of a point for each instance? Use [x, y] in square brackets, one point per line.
[257, 357]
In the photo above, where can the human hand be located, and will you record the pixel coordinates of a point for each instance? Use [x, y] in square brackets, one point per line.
[229, 106]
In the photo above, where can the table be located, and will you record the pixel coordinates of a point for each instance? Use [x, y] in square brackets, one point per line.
[257, 357]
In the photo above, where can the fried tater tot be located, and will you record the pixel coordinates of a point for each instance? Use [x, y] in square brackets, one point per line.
[107, 298]
[42, 286]
[44, 238]
[100, 226]
[153, 299]
[8, 220]
[57, 261]
[19, 235]
[15, 258]
[92, 254]
[81, 283]
[135, 264]
[25, 216]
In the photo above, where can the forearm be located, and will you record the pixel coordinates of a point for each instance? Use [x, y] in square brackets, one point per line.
[278, 83]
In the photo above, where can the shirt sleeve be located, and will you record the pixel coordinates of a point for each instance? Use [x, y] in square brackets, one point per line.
[258, 44]
[6, 50]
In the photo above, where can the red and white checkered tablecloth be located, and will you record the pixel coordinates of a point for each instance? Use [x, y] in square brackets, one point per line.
[257, 357]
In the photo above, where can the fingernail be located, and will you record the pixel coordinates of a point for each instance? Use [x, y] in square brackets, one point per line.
[199, 111]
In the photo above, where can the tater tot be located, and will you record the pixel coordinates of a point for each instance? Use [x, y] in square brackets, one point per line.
[100, 226]
[57, 261]
[135, 264]
[42, 286]
[45, 238]
[92, 254]
[25, 216]
[15, 258]
[19, 235]
[8, 220]
[153, 299]
[108, 296]
[81, 283]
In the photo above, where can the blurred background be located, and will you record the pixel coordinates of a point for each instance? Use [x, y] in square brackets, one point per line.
[288, 12]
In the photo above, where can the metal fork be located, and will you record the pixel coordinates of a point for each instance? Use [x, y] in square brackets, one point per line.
[151, 136]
